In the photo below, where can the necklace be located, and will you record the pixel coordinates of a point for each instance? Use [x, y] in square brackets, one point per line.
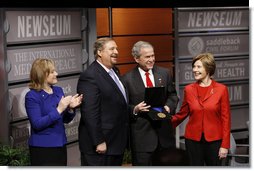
[48, 90]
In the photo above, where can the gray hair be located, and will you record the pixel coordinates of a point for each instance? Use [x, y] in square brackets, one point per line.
[138, 46]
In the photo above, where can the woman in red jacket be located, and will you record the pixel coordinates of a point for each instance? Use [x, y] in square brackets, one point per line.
[206, 102]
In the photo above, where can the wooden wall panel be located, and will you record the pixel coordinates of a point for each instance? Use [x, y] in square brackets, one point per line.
[163, 47]
[133, 21]
[133, 24]
[102, 22]
[126, 67]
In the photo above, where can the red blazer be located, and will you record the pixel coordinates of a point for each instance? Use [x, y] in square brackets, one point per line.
[210, 116]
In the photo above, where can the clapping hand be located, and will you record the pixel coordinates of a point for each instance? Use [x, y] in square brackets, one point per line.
[76, 100]
[63, 104]
[69, 101]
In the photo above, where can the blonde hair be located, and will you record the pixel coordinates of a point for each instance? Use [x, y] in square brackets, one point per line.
[40, 70]
[208, 62]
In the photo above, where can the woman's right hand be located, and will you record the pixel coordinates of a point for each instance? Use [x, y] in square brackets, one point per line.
[63, 104]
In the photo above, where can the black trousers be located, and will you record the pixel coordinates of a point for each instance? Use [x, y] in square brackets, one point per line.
[101, 160]
[144, 158]
[141, 158]
[203, 153]
[48, 156]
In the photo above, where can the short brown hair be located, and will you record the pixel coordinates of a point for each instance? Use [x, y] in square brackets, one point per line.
[98, 45]
[208, 62]
[41, 68]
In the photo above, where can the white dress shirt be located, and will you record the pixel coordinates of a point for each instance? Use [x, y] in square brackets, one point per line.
[143, 76]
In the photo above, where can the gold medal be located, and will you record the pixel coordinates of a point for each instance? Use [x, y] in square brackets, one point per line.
[161, 115]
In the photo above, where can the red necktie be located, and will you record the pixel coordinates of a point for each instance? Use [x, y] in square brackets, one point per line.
[148, 80]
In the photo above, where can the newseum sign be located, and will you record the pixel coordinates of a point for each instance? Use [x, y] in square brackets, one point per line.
[238, 93]
[220, 44]
[38, 26]
[227, 69]
[224, 32]
[67, 58]
[213, 19]
[20, 133]
[17, 96]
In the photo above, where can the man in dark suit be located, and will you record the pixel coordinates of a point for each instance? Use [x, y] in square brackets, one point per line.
[148, 135]
[103, 128]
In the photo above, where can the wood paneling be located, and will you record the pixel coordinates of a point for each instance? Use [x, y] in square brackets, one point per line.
[130, 25]
[163, 47]
[133, 21]
[102, 22]
[126, 67]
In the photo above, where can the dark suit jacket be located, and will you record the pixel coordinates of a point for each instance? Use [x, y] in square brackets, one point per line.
[210, 116]
[146, 133]
[104, 112]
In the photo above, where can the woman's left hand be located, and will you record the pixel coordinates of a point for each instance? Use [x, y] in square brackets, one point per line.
[76, 100]
[223, 153]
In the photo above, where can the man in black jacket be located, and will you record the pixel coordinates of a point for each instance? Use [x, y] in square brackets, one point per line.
[148, 135]
[103, 128]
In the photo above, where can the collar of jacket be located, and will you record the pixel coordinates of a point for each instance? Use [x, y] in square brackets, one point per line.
[211, 91]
